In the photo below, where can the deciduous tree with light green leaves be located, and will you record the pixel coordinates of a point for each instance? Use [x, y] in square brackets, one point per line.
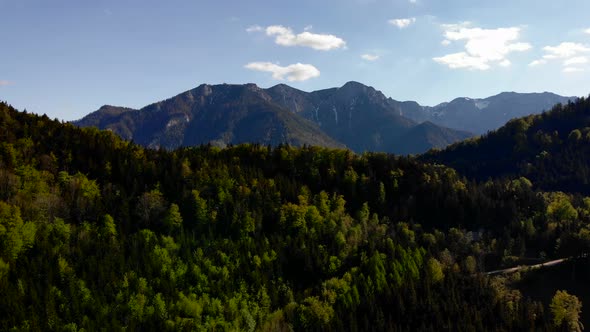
[566, 309]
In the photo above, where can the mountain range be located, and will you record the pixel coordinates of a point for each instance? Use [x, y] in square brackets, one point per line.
[484, 114]
[355, 116]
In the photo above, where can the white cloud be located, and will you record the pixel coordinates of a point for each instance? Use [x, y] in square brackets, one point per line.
[572, 70]
[579, 60]
[402, 23]
[413, 1]
[564, 50]
[587, 31]
[462, 60]
[484, 48]
[254, 28]
[455, 26]
[370, 57]
[294, 72]
[445, 42]
[569, 53]
[284, 36]
[538, 62]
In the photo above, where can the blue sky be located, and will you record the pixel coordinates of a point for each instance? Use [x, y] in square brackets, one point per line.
[67, 58]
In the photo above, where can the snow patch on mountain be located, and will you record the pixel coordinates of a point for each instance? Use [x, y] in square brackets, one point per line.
[481, 104]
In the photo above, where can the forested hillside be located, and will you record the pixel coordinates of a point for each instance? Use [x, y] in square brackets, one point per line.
[96, 232]
[551, 149]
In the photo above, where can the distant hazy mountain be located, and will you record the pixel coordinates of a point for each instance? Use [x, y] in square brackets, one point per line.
[354, 115]
[482, 115]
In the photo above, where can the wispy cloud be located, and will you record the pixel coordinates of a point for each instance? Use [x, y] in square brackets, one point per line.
[538, 62]
[564, 50]
[5, 83]
[578, 60]
[285, 36]
[254, 28]
[484, 48]
[572, 70]
[587, 31]
[571, 54]
[294, 72]
[402, 23]
[370, 57]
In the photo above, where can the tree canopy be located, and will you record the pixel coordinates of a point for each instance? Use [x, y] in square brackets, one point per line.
[97, 232]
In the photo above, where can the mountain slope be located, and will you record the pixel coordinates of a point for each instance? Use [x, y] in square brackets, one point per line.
[427, 135]
[551, 149]
[365, 120]
[357, 115]
[220, 114]
[482, 115]
[354, 115]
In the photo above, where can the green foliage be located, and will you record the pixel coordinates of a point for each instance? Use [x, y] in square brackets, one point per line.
[99, 233]
[4, 268]
[15, 235]
[434, 271]
[109, 228]
[314, 314]
[173, 218]
[566, 310]
[560, 209]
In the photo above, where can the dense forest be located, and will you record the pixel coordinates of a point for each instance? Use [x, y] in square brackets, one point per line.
[99, 233]
[551, 149]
